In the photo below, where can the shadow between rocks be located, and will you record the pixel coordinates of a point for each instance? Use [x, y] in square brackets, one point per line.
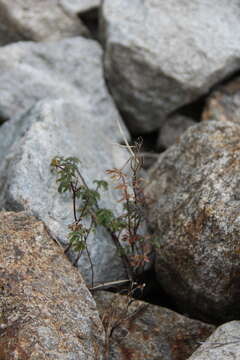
[90, 20]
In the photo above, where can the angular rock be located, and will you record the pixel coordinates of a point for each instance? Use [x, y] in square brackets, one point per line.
[37, 20]
[224, 103]
[63, 128]
[46, 311]
[87, 11]
[194, 212]
[223, 344]
[172, 129]
[149, 159]
[79, 6]
[69, 68]
[147, 331]
[162, 55]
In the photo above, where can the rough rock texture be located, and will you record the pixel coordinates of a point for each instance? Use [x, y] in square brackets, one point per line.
[79, 6]
[172, 129]
[27, 146]
[163, 54]
[224, 103]
[46, 311]
[69, 68]
[195, 213]
[37, 20]
[223, 344]
[87, 11]
[150, 332]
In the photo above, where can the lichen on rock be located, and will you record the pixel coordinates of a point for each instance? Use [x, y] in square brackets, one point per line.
[195, 215]
[46, 311]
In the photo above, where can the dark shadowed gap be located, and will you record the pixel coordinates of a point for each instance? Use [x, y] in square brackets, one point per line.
[3, 120]
[193, 110]
[90, 20]
[149, 149]
[153, 294]
[227, 79]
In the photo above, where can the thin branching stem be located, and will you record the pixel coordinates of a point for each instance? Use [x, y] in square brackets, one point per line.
[92, 268]
[125, 260]
[67, 248]
[69, 178]
[74, 202]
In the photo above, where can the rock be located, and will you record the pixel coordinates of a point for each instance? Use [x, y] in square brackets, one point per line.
[69, 68]
[194, 211]
[37, 21]
[162, 55]
[46, 311]
[63, 128]
[172, 129]
[87, 11]
[149, 159]
[224, 103]
[147, 331]
[79, 6]
[223, 344]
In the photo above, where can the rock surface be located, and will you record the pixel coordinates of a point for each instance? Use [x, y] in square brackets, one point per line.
[79, 6]
[150, 332]
[37, 20]
[46, 311]
[63, 128]
[194, 212]
[224, 103]
[68, 68]
[223, 344]
[172, 129]
[162, 55]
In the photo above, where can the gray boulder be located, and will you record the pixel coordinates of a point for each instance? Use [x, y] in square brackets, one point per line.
[146, 331]
[223, 344]
[69, 68]
[161, 55]
[27, 146]
[37, 20]
[194, 211]
[172, 129]
[46, 310]
[79, 6]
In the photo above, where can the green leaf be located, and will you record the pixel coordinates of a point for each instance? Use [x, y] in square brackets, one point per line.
[72, 160]
[91, 196]
[117, 225]
[104, 217]
[79, 193]
[101, 184]
[79, 246]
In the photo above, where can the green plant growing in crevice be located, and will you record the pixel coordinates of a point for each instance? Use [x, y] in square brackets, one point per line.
[88, 215]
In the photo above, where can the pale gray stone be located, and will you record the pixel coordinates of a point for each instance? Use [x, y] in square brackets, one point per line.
[68, 68]
[195, 192]
[172, 129]
[161, 55]
[63, 128]
[37, 20]
[223, 344]
[79, 6]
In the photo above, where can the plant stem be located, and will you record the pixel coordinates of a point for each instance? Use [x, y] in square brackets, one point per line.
[123, 256]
